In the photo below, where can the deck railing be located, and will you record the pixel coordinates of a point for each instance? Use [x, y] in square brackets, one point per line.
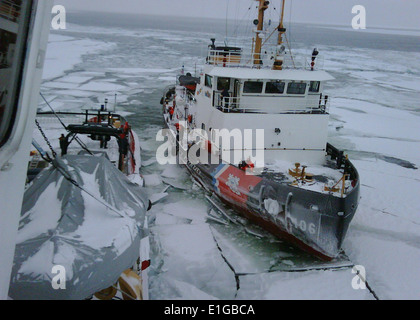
[89, 116]
[9, 10]
[234, 105]
[228, 59]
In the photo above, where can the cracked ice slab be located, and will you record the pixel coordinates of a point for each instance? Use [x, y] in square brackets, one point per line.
[190, 256]
[249, 254]
[311, 285]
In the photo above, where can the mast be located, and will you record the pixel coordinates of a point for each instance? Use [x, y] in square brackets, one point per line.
[278, 61]
[258, 42]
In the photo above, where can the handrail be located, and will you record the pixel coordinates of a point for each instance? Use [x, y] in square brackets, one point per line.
[226, 102]
[69, 117]
[222, 58]
[233, 105]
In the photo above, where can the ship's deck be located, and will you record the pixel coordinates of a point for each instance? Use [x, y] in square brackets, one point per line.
[322, 177]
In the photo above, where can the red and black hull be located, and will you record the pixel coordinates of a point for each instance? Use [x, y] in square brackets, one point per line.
[313, 221]
[316, 222]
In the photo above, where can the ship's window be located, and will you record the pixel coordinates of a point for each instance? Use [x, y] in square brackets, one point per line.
[208, 81]
[223, 83]
[13, 34]
[203, 127]
[296, 88]
[314, 86]
[274, 87]
[253, 87]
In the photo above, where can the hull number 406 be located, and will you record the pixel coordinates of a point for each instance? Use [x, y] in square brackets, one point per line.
[303, 225]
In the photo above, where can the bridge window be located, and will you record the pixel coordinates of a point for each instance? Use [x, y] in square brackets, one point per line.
[296, 88]
[314, 86]
[208, 81]
[274, 87]
[253, 87]
[13, 36]
[223, 83]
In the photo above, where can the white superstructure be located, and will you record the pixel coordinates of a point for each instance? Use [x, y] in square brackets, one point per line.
[252, 130]
[24, 29]
[266, 91]
[288, 104]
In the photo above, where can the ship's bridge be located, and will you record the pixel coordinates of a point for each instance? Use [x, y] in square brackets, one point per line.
[262, 90]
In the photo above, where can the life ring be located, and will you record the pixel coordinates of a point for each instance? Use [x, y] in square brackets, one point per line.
[106, 294]
[130, 284]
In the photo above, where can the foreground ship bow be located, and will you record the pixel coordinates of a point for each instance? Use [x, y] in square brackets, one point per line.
[307, 191]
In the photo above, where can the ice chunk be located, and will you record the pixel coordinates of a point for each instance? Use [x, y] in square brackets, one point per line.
[272, 206]
[318, 285]
[191, 256]
[156, 197]
[151, 180]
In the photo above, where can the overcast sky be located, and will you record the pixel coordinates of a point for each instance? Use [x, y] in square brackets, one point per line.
[379, 13]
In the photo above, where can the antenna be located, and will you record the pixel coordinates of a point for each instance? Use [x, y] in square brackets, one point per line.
[227, 10]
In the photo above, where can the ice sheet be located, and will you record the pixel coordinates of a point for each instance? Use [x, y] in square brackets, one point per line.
[190, 256]
[319, 285]
[374, 117]
[65, 52]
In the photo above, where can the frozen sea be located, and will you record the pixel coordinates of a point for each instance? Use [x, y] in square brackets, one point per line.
[375, 118]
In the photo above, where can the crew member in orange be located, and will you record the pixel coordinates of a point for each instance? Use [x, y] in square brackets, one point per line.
[171, 112]
[244, 165]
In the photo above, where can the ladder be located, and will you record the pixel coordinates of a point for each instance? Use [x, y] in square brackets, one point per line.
[33, 164]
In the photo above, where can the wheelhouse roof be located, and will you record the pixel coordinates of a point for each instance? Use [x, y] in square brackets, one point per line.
[268, 74]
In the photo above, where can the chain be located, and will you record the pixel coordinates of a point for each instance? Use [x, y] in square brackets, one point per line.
[45, 138]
